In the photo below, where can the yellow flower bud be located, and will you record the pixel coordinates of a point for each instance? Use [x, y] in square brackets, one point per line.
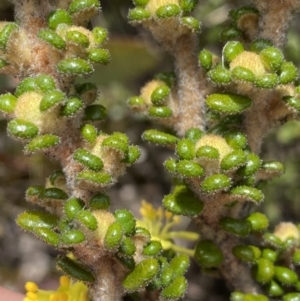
[249, 60]
[286, 230]
[104, 219]
[28, 108]
[147, 90]
[217, 142]
[153, 5]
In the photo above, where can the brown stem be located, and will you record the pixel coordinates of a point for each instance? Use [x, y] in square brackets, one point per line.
[108, 284]
[276, 16]
[236, 274]
[183, 45]
[191, 90]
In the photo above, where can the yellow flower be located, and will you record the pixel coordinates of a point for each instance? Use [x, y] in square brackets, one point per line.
[159, 222]
[67, 291]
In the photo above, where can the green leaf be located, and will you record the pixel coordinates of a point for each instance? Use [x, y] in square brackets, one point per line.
[74, 269]
[182, 201]
[30, 220]
[142, 274]
[228, 103]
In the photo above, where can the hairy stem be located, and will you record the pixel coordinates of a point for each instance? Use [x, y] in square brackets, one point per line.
[191, 91]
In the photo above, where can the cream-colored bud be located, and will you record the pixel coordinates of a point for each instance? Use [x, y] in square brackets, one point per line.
[286, 230]
[28, 108]
[153, 5]
[147, 90]
[249, 60]
[217, 142]
[104, 220]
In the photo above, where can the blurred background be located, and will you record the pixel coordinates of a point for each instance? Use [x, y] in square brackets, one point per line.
[22, 257]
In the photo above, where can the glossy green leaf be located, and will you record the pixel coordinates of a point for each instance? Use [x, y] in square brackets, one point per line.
[22, 129]
[191, 22]
[232, 49]
[288, 73]
[87, 219]
[271, 57]
[228, 103]
[138, 14]
[95, 113]
[179, 264]
[89, 132]
[159, 94]
[176, 289]
[47, 235]
[142, 274]
[50, 99]
[243, 74]
[187, 168]
[127, 246]
[42, 142]
[52, 38]
[220, 75]
[185, 149]
[285, 275]
[73, 206]
[267, 81]
[126, 220]
[132, 155]
[5, 34]
[205, 59]
[168, 11]
[259, 44]
[248, 193]
[207, 152]
[82, 5]
[194, 134]
[74, 269]
[100, 178]
[188, 5]
[99, 56]
[158, 137]
[258, 221]
[238, 227]
[216, 182]
[72, 237]
[264, 270]
[152, 248]
[274, 289]
[57, 17]
[26, 85]
[54, 193]
[113, 235]
[246, 253]
[233, 160]
[207, 254]
[78, 38]
[87, 159]
[7, 103]
[182, 201]
[99, 201]
[100, 35]
[74, 66]
[45, 82]
[160, 112]
[31, 220]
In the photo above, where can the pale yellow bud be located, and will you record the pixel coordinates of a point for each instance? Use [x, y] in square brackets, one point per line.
[249, 60]
[217, 142]
[28, 108]
[147, 90]
[104, 220]
[286, 230]
[153, 5]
